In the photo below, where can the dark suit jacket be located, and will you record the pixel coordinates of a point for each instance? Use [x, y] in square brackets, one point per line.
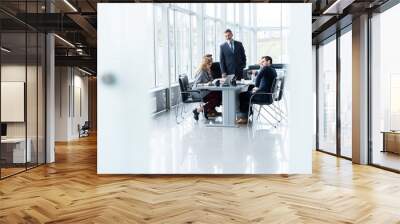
[265, 79]
[232, 62]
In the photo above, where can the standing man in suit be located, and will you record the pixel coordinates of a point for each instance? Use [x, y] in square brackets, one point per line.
[232, 56]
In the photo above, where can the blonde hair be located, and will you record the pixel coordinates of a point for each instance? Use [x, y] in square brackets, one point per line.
[203, 65]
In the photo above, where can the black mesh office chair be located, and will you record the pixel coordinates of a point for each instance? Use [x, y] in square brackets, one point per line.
[277, 107]
[187, 96]
[264, 100]
[247, 73]
[84, 129]
[216, 70]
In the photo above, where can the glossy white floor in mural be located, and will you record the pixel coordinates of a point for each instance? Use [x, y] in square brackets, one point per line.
[193, 148]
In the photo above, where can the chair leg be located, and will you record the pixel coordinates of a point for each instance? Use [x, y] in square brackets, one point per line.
[183, 107]
[270, 122]
[248, 114]
[286, 107]
[276, 119]
[273, 107]
[273, 116]
[281, 110]
[278, 108]
[185, 110]
[259, 112]
[177, 113]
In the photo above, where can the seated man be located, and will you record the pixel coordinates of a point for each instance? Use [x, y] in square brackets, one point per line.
[264, 81]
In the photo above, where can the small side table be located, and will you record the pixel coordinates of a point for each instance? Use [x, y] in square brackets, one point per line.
[391, 141]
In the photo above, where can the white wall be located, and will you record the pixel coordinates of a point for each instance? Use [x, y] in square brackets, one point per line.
[71, 92]
[299, 88]
[123, 103]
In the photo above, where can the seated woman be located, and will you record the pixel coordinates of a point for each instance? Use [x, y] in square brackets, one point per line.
[211, 99]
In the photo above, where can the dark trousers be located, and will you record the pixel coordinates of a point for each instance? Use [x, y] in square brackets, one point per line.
[244, 99]
[212, 100]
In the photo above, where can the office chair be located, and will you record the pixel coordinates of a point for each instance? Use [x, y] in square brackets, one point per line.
[188, 96]
[216, 70]
[84, 130]
[248, 71]
[264, 100]
[279, 98]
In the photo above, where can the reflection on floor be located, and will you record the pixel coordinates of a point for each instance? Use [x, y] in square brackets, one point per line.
[387, 159]
[10, 171]
[192, 147]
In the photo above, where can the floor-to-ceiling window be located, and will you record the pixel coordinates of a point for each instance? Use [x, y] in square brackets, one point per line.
[22, 88]
[171, 46]
[183, 46]
[196, 38]
[346, 93]
[385, 89]
[209, 36]
[334, 93]
[184, 33]
[269, 32]
[327, 96]
[161, 46]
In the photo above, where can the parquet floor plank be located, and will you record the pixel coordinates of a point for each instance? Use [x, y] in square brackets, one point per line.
[70, 191]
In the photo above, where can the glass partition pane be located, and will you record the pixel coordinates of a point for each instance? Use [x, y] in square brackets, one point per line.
[31, 98]
[327, 97]
[14, 153]
[41, 98]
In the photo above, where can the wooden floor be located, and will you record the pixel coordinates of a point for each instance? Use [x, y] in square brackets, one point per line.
[69, 191]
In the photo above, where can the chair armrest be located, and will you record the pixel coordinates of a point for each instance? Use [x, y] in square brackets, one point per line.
[262, 93]
[191, 91]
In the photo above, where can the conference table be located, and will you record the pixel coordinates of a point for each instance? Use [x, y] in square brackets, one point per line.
[230, 100]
